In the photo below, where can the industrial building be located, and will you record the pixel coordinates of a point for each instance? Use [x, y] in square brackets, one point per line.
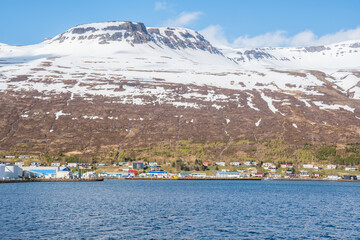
[8, 171]
[50, 172]
[228, 175]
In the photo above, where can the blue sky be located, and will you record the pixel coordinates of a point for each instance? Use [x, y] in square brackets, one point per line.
[228, 22]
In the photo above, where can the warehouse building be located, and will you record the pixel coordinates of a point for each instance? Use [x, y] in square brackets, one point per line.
[9, 171]
[50, 172]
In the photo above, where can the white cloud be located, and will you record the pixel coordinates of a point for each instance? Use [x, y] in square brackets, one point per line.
[215, 34]
[183, 19]
[277, 38]
[160, 6]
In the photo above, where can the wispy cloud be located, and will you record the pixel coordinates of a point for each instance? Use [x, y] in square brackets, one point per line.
[183, 19]
[215, 34]
[159, 6]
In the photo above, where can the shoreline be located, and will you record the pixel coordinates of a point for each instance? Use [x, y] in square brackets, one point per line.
[171, 179]
[50, 180]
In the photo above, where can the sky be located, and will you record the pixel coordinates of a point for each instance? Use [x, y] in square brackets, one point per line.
[225, 23]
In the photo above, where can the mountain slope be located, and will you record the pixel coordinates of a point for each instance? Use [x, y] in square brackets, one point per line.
[104, 85]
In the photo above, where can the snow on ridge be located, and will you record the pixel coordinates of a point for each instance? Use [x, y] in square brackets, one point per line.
[322, 105]
[269, 102]
[249, 102]
[60, 113]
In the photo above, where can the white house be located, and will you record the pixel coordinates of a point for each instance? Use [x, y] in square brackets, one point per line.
[350, 169]
[102, 164]
[234, 163]
[331, 166]
[250, 163]
[156, 174]
[333, 177]
[198, 175]
[309, 166]
[304, 173]
[244, 175]
[55, 164]
[275, 175]
[19, 164]
[153, 164]
[286, 166]
[268, 166]
[35, 164]
[221, 164]
[72, 164]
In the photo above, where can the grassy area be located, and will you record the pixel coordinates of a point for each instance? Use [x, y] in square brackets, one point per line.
[188, 155]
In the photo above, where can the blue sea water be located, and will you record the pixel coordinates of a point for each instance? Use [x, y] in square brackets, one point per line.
[121, 209]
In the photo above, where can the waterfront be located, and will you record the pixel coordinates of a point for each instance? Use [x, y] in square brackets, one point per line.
[115, 209]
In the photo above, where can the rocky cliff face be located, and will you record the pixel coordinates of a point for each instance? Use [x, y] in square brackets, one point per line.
[133, 86]
[136, 33]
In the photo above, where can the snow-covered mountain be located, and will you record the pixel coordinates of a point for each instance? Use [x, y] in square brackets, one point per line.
[91, 73]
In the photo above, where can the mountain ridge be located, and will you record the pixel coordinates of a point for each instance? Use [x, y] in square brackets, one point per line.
[150, 85]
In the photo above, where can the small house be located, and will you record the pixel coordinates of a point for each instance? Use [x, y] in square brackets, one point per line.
[275, 175]
[257, 174]
[19, 164]
[304, 173]
[316, 175]
[244, 175]
[55, 164]
[102, 164]
[331, 166]
[198, 175]
[286, 166]
[350, 177]
[249, 163]
[350, 169]
[184, 175]
[35, 164]
[234, 163]
[206, 164]
[85, 166]
[157, 174]
[308, 166]
[155, 168]
[333, 177]
[221, 164]
[72, 165]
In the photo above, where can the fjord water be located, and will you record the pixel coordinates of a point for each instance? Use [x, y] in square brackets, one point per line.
[120, 209]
